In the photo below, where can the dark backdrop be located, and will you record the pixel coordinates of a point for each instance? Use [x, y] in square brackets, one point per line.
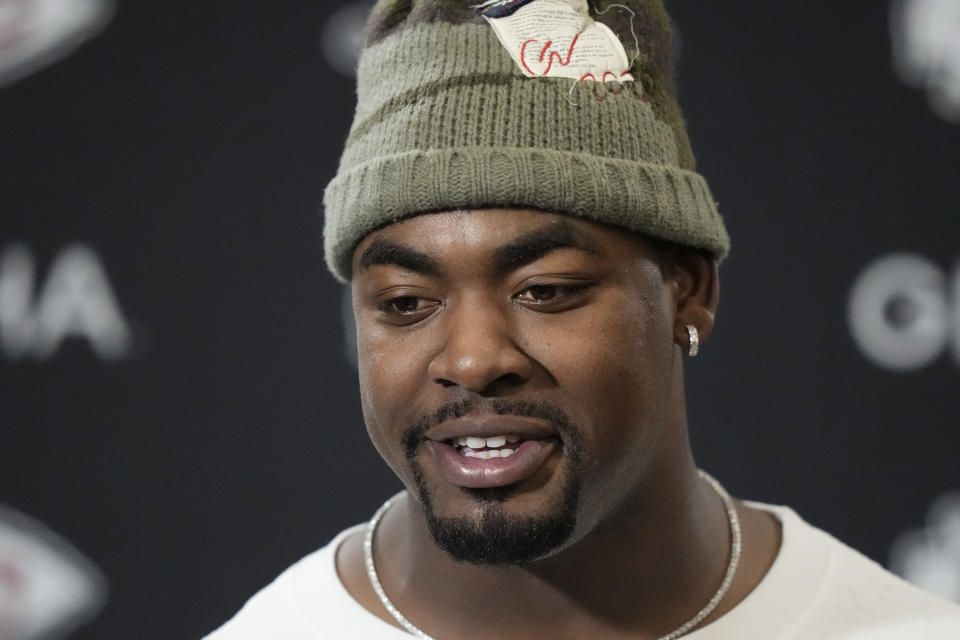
[204, 432]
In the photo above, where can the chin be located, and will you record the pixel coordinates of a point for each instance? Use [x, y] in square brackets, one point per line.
[495, 529]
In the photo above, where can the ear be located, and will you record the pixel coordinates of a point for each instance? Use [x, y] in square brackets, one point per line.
[696, 285]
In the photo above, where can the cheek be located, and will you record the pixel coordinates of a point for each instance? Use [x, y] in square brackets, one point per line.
[390, 371]
[613, 365]
[621, 346]
[388, 362]
[375, 376]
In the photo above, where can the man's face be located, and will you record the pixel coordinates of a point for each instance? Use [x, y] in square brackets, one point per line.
[517, 370]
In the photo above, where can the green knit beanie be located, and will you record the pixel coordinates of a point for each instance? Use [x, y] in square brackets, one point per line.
[449, 118]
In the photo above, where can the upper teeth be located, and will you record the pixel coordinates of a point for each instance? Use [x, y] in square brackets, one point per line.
[479, 443]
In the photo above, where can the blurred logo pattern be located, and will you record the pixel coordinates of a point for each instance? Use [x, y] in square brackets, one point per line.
[47, 588]
[34, 33]
[75, 301]
[904, 312]
[341, 38]
[926, 50]
[930, 557]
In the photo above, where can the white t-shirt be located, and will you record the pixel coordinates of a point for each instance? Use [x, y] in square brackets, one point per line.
[816, 589]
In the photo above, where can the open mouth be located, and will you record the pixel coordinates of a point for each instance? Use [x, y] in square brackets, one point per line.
[485, 450]
[502, 446]
[495, 461]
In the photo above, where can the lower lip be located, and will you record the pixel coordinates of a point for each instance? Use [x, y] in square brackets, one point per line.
[478, 473]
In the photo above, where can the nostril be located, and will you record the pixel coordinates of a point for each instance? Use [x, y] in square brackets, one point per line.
[510, 379]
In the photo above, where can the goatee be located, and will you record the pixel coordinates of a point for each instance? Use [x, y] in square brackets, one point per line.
[495, 538]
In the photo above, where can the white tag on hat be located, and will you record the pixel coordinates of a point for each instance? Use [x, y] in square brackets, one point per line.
[559, 39]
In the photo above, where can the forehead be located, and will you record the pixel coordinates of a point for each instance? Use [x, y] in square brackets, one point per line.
[503, 235]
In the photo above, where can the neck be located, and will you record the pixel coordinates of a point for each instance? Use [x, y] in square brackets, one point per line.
[649, 568]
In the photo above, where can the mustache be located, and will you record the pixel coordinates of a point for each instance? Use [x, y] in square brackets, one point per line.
[416, 429]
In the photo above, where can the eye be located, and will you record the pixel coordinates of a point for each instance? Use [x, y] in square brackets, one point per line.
[543, 292]
[552, 297]
[406, 304]
[406, 309]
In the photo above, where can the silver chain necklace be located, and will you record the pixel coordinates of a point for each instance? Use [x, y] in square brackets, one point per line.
[683, 629]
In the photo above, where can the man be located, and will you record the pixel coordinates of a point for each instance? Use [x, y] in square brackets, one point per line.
[531, 254]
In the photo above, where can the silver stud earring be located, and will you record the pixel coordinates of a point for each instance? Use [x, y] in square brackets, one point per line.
[694, 340]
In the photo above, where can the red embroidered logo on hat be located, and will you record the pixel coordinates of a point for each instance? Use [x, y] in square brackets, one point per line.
[534, 32]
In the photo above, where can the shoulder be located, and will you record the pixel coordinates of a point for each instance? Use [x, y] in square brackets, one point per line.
[854, 597]
[288, 607]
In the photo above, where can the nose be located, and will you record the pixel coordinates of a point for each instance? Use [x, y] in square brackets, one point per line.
[480, 352]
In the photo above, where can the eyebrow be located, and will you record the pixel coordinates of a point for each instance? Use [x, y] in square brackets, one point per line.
[536, 244]
[528, 248]
[386, 252]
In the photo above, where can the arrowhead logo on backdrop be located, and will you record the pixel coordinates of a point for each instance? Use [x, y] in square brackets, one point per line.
[35, 33]
[47, 589]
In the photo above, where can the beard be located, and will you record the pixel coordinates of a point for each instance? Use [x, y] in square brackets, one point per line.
[495, 537]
